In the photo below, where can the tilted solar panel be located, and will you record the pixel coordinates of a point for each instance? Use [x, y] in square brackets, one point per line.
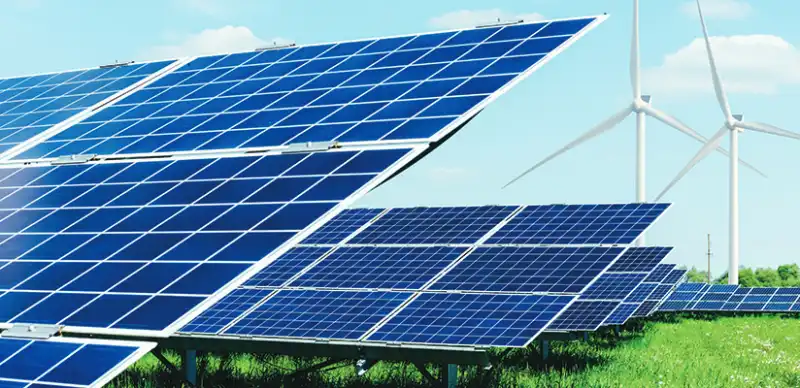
[578, 224]
[416, 87]
[342, 226]
[65, 362]
[659, 273]
[32, 105]
[640, 259]
[583, 316]
[621, 314]
[137, 245]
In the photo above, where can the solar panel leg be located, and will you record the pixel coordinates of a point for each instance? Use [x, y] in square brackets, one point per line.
[545, 349]
[585, 336]
[190, 366]
[450, 375]
[616, 331]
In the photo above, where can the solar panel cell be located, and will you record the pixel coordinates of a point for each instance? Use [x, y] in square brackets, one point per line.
[583, 315]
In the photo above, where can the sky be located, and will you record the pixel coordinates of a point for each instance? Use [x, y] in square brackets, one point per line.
[753, 42]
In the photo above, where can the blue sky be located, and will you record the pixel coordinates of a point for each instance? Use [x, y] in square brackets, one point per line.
[752, 40]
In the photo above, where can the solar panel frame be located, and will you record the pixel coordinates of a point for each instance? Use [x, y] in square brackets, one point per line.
[463, 117]
[63, 369]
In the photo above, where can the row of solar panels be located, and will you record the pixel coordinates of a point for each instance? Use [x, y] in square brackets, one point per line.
[434, 276]
[140, 246]
[727, 297]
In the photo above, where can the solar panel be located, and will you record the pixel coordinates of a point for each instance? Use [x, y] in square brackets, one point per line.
[583, 316]
[621, 314]
[646, 308]
[613, 286]
[137, 245]
[641, 292]
[659, 273]
[528, 269]
[472, 319]
[417, 87]
[62, 362]
[640, 259]
[675, 276]
[342, 226]
[31, 105]
[226, 310]
[318, 314]
[438, 225]
[378, 267]
[578, 224]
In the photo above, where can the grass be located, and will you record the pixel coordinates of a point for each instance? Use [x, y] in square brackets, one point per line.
[758, 351]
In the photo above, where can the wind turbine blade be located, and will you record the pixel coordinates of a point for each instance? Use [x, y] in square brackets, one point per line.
[606, 125]
[769, 129]
[677, 124]
[635, 62]
[712, 144]
[718, 88]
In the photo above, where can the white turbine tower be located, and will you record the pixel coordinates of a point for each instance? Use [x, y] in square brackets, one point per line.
[641, 107]
[733, 125]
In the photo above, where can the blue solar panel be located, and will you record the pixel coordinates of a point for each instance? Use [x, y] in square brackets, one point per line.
[613, 286]
[622, 313]
[437, 225]
[675, 276]
[65, 362]
[578, 224]
[286, 266]
[659, 273]
[318, 314]
[528, 269]
[660, 292]
[136, 245]
[640, 259]
[342, 226]
[472, 319]
[583, 316]
[379, 267]
[641, 292]
[408, 88]
[31, 105]
[646, 308]
[226, 310]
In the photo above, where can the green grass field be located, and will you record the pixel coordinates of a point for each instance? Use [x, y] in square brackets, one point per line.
[725, 352]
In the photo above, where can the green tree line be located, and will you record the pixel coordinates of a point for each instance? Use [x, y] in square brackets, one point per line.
[787, 275]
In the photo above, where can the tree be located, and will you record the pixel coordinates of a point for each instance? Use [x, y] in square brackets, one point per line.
[789, 274]
[695, 276]
[768, 277]
[747, 278]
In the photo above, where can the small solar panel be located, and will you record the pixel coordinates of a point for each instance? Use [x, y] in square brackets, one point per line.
[578, 224]
[227, 309]
[379, 267]
[318, 314]
[640, 259]
[646, 308]
[621, 314]
[674, 276]
[59, 362]
[286, 266]
[641, 292]
[472, 319]
[659, 273]
[613, 286]
[31, 105]
[583, 316]
[416, 87]
[342, 226]
[660, 292]
[528, 269]
[439, 225]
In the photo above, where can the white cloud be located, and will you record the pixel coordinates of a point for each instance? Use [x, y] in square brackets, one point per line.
[472, 18]
[447, 174]
[759, 64]
[718, 9]
[210, 41]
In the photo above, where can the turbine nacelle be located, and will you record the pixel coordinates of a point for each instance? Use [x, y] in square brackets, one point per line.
[639, 104]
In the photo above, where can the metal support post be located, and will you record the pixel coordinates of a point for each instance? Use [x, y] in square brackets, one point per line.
[190, 366]
[545, 349]
[450, 375]
[585, 336]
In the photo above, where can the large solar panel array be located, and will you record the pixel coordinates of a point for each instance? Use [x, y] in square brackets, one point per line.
[602, 302]
[725, 297]
[136, 245]
[170, 227]
[62, 362]
[415, 87]
[31, 105]
[421, 273]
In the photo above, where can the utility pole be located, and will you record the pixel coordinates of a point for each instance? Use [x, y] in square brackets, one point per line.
[709, 258]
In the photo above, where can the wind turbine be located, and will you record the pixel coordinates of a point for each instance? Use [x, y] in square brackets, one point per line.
[733, 125]
[641, 107]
